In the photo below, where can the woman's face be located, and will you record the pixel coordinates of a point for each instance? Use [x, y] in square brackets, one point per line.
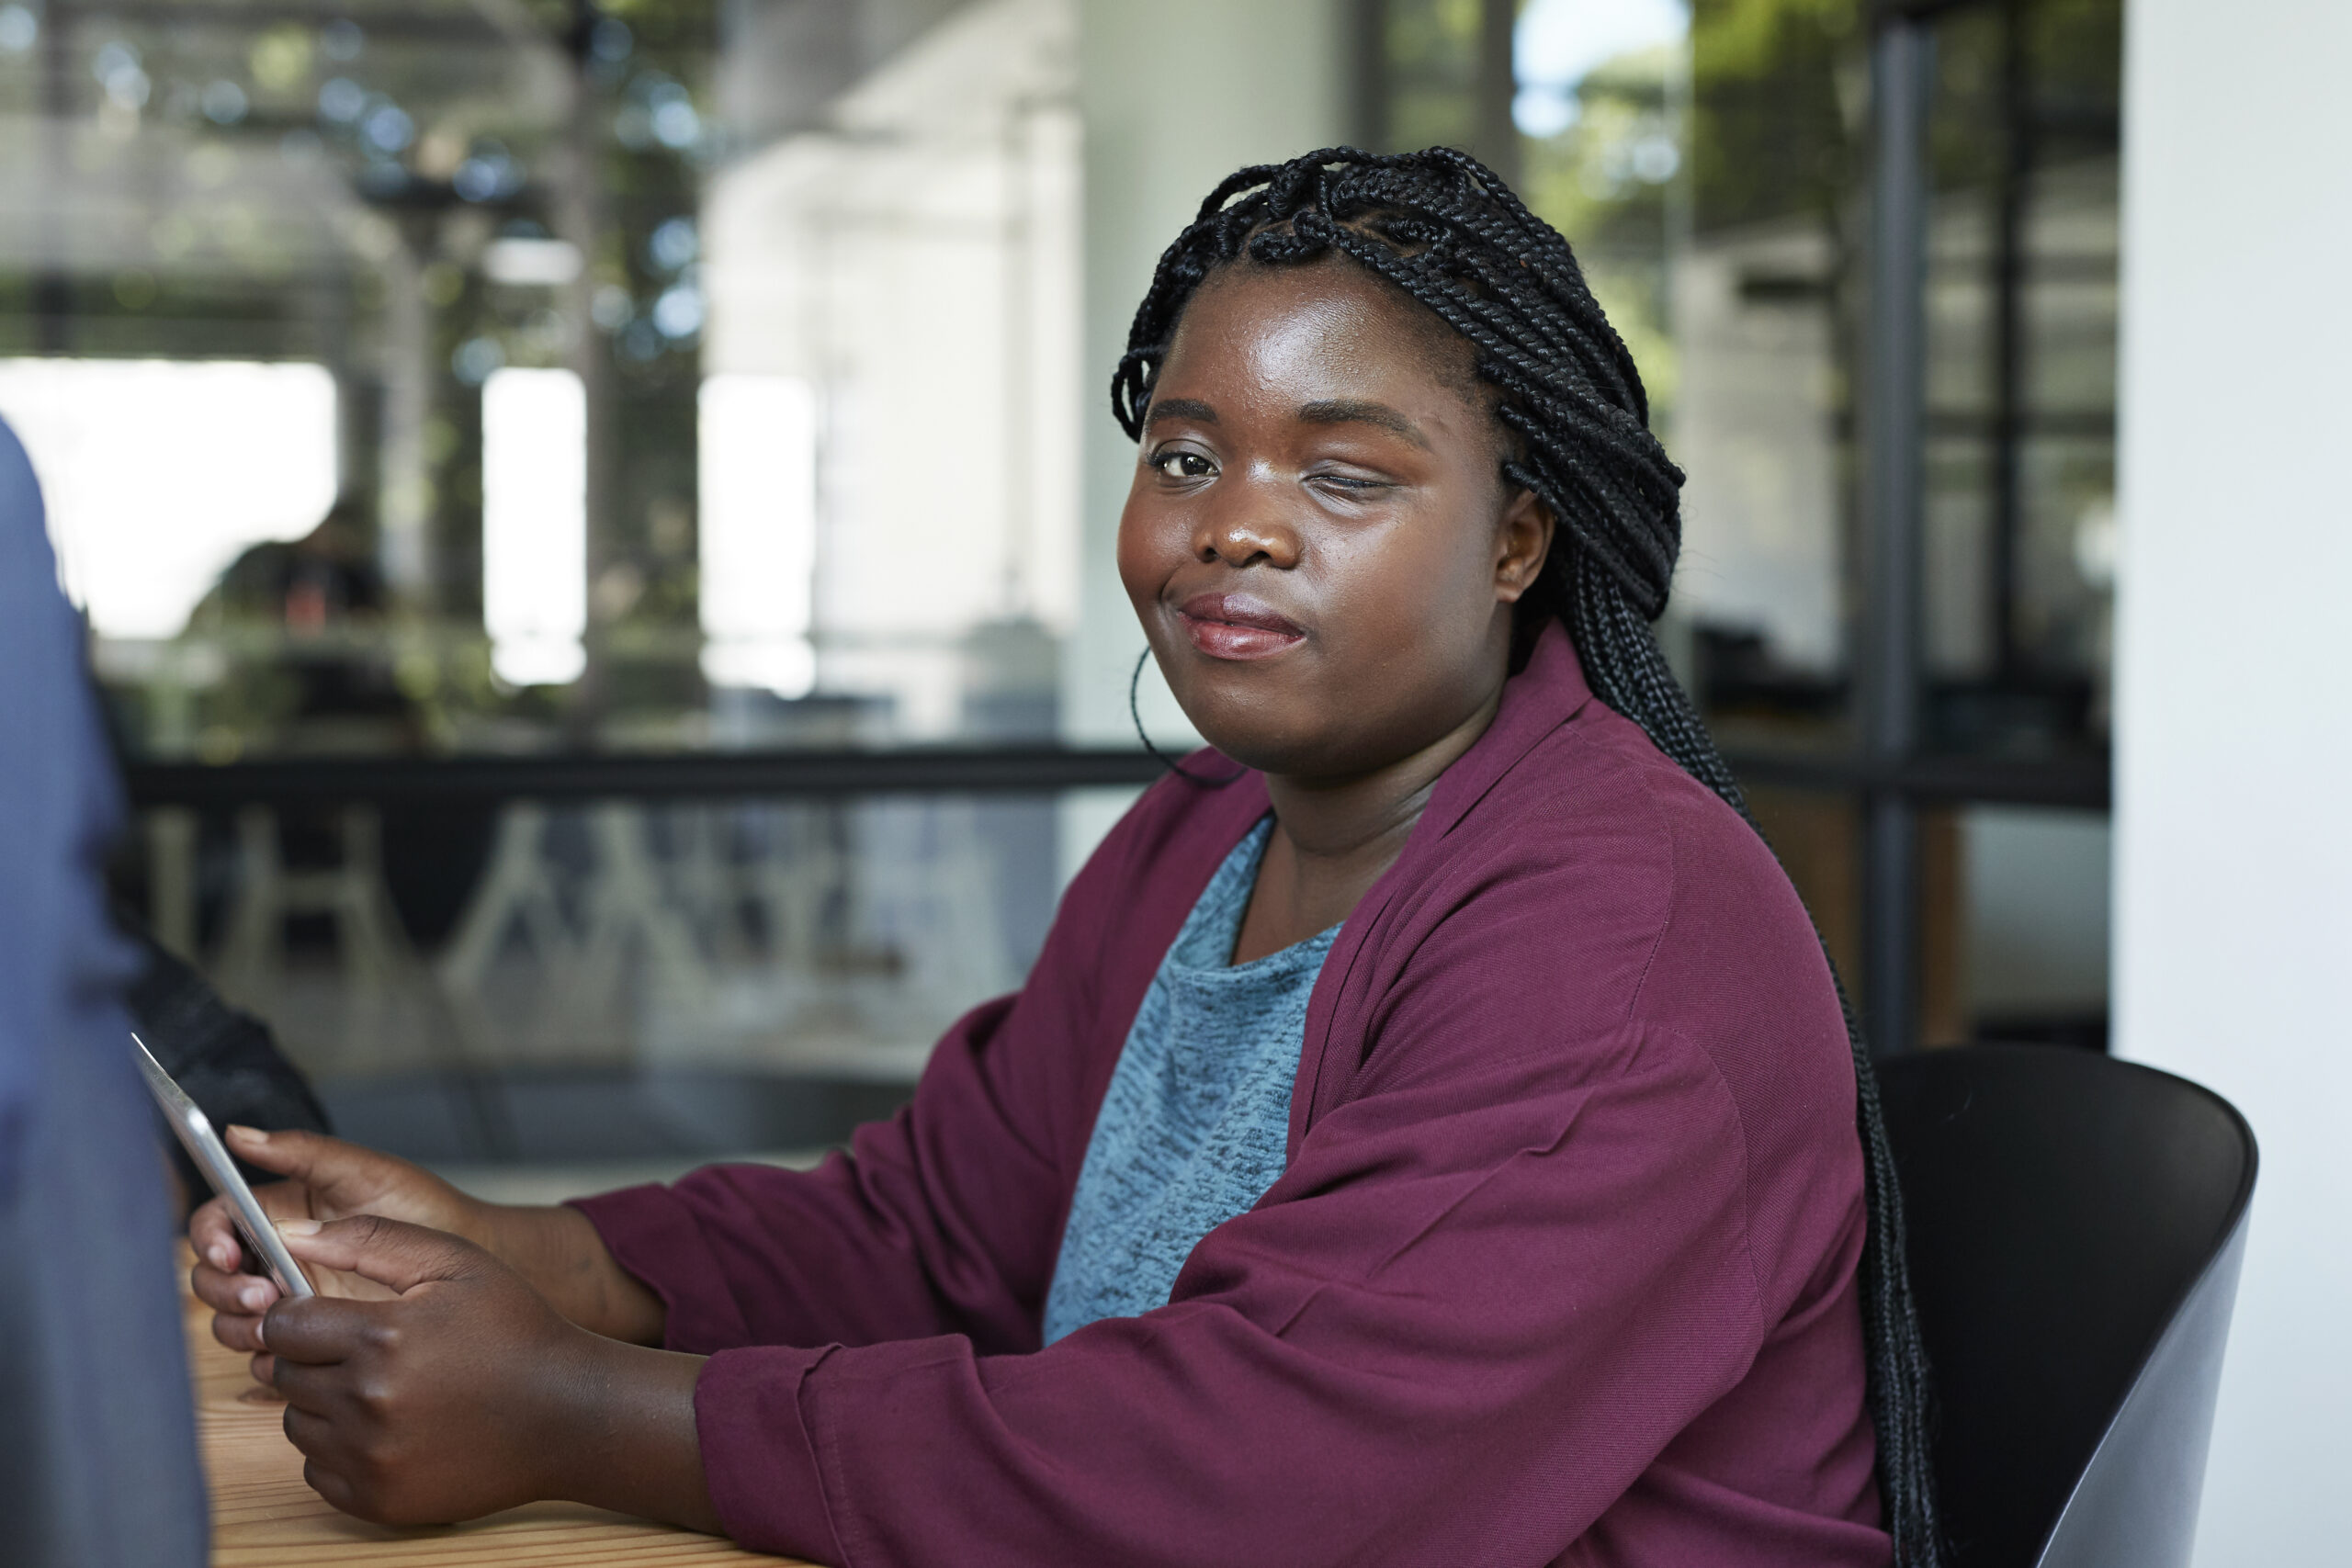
[1319, 540]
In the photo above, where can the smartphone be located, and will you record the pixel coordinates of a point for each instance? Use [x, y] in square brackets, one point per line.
[195, 1135]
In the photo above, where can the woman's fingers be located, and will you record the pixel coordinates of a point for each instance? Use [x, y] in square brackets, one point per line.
[298, 1156]
[313, 1433]
[455, 1398]
[234, 1293]
[315, 1331]
[318, 1390]
[239, 1331]
[330, 1484]
[212, 1229]
[337, 1179]
[325, 1329]
[214, 1235]
[390, 1252]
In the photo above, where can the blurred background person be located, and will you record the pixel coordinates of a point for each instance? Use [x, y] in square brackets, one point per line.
[317, 604]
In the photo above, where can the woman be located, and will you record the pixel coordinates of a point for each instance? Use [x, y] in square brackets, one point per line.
[1428, 1132]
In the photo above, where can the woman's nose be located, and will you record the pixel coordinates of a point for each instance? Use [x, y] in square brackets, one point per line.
[1244, 530]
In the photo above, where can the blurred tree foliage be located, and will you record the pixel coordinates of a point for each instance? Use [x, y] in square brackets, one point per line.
[1609, 182]
[1430, 51]
[1779, 91]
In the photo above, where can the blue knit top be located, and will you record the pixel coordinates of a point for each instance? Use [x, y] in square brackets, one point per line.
[1194, 1125]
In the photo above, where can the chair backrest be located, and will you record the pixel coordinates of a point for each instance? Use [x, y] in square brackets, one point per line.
[2075, 1226]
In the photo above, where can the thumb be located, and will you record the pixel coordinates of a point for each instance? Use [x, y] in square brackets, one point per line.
[312, 1158]
[390, 1252]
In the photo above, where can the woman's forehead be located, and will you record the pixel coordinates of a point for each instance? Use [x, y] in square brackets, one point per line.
[1329, 321]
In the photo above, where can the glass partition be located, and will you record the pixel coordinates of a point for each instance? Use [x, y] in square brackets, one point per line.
[465, 421]
[471, 979]
[427, 391]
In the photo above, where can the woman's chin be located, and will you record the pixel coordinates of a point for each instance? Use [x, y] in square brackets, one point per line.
[1268, 748]
[1283, 751]
[1271, 718]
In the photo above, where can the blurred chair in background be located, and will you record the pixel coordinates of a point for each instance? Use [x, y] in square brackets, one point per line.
[371, 946]
[98, 1442]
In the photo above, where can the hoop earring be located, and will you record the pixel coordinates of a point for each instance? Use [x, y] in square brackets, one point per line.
[1134, 711]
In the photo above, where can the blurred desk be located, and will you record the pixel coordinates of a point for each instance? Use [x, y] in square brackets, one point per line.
[264, 1516]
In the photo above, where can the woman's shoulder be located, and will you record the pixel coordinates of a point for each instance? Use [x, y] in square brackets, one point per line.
[1627, 892]
[1601, 912]
[1594, 821]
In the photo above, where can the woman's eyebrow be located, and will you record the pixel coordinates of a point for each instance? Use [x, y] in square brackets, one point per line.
[1354, 411]
[1192, 409]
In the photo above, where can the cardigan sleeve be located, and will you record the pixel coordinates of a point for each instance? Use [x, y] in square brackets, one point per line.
[1477, 1305]
[933, 1222]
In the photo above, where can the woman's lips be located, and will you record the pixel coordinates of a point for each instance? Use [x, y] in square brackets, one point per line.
[1235, 625]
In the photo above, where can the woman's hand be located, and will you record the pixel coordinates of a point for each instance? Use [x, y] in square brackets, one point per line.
[461, 1391]
[327, 1179]
[556, 1250]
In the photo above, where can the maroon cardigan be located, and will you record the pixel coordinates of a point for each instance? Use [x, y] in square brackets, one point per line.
[1562, 1268]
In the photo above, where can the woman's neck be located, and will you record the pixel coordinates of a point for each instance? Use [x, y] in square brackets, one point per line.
[1333, 838]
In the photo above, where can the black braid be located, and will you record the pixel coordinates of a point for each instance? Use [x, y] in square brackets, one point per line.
[1441, 226]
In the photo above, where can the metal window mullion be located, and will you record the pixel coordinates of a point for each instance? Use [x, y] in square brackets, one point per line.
[1368, 86]
[1498, 84]
[2011, 193]
[1892, 421]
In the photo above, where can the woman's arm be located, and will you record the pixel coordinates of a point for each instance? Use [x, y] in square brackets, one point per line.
[1474, 1311]
[1470, 1316]
[942, 1220]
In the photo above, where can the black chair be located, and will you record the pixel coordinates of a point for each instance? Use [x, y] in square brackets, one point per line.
[2076, 1226]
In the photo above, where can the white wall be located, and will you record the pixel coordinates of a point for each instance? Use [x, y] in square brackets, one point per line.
[1175, 97]
[2234, 830]
[915, 258]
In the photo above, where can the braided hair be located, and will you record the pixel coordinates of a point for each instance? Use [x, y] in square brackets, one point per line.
[1441, 226]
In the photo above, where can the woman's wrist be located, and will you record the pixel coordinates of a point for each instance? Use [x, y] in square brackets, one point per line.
[557, 1249]
[482, 1223]
[620, 1432]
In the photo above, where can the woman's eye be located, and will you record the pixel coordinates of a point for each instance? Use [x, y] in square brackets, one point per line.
[1184, 465]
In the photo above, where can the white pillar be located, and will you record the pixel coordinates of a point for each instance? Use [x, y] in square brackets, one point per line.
[1175, 98]
[2233, 737]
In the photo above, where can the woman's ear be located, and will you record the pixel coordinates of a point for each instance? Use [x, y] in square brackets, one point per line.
[1523, 539]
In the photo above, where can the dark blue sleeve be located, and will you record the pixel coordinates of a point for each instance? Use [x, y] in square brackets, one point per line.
[97, 1442]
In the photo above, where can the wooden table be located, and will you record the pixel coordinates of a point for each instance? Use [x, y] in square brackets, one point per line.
[264, 1516]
